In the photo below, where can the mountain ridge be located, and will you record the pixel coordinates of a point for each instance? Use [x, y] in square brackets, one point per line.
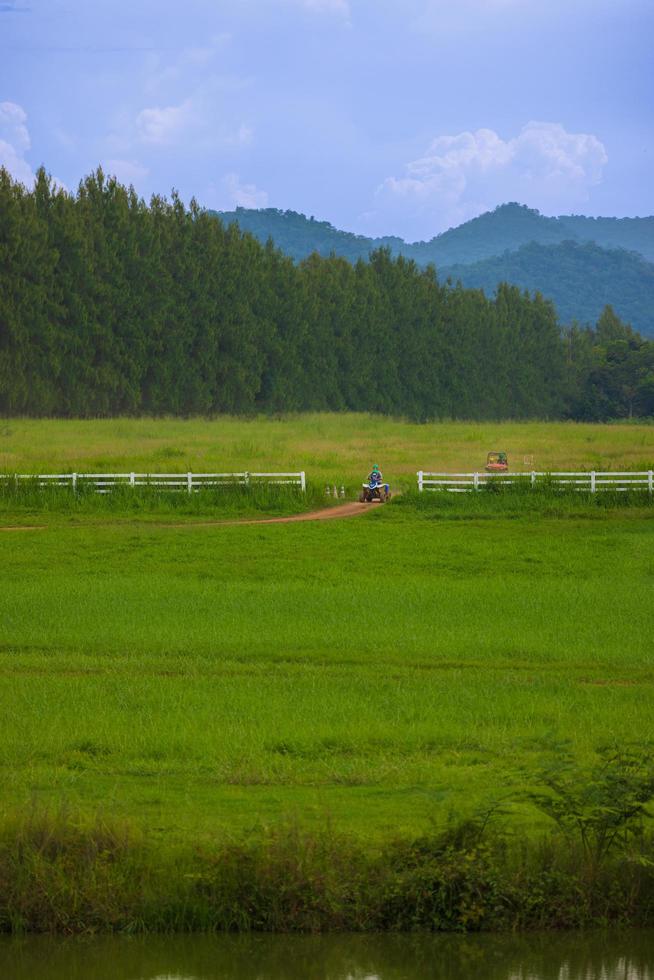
[507, 227]
[580, 263]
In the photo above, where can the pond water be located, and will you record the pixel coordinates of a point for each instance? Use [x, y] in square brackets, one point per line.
[625, 955]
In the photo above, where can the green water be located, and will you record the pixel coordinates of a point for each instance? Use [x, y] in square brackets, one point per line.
[626, 955]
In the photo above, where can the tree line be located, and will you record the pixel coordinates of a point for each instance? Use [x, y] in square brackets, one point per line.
[110, 305]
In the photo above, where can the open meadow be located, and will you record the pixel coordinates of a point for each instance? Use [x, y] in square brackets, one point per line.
[382, 675]
[377, 672]
[330, 447]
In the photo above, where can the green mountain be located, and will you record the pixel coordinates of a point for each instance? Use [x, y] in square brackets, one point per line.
[579, 278]
[581, 263]
[299, 236]
[506, 228]
[510, 226]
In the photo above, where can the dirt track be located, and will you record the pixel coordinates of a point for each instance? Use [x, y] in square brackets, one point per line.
[324, 514]
[23, 527]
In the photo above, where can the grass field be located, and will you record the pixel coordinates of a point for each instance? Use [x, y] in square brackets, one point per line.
[378, 675]
[377, 672]
[337, 448]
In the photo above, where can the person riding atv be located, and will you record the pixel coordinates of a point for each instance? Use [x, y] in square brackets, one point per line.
[374, 488]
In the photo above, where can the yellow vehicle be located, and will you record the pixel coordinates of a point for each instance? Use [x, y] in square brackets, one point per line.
[497, 463]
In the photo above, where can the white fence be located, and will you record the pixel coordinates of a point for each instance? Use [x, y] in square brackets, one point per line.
[592, 482]
[189, 482]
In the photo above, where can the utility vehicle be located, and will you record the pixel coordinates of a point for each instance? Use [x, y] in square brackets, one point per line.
[497, 463]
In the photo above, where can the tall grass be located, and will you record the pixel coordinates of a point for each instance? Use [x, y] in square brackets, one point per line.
[520, 500]
[151, 503]
[58, 874]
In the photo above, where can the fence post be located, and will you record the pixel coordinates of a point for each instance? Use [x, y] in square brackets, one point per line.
[74, 481]
[246, 479]
[132, 479]
[475, 481]
[303, 481]
[592, 481]
[650, 482]
[189, 482]
[533, 478]
[420, 481]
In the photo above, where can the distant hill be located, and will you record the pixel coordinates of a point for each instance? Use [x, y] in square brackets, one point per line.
[580, 263]
[506, 228]
[510, 226]
[299, 236]
[579, 278]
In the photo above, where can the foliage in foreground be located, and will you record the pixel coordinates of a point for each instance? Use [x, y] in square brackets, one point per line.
[57, 875]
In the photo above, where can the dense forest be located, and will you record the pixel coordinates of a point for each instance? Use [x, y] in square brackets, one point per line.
[299, 236]
[110, 305]
[579, 263]
[575, 277]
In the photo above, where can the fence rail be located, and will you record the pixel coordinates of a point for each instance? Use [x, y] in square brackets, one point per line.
[189, 482]
[588, 482]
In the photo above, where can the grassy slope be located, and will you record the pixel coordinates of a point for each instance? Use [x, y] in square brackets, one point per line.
[329, 447]
[381, 671]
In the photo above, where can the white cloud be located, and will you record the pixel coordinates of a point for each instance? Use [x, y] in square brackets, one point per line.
[13, 126]
[18, 167]
[243, 195]
[460, 176]
[126, 171]
[197, 123]
[163, 125]
[15, 142]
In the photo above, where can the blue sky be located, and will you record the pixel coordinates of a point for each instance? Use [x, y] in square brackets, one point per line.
[382, 117]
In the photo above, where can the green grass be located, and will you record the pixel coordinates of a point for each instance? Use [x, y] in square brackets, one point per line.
[329, 447]
[253, 726]
[376, 674]
[517, 502]
[27, 502]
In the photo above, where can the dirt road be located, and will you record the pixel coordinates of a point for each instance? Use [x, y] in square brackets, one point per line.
[324, 514]
[351, 509]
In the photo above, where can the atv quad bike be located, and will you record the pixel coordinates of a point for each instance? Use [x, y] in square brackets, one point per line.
[373, 491]
[497, 463]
